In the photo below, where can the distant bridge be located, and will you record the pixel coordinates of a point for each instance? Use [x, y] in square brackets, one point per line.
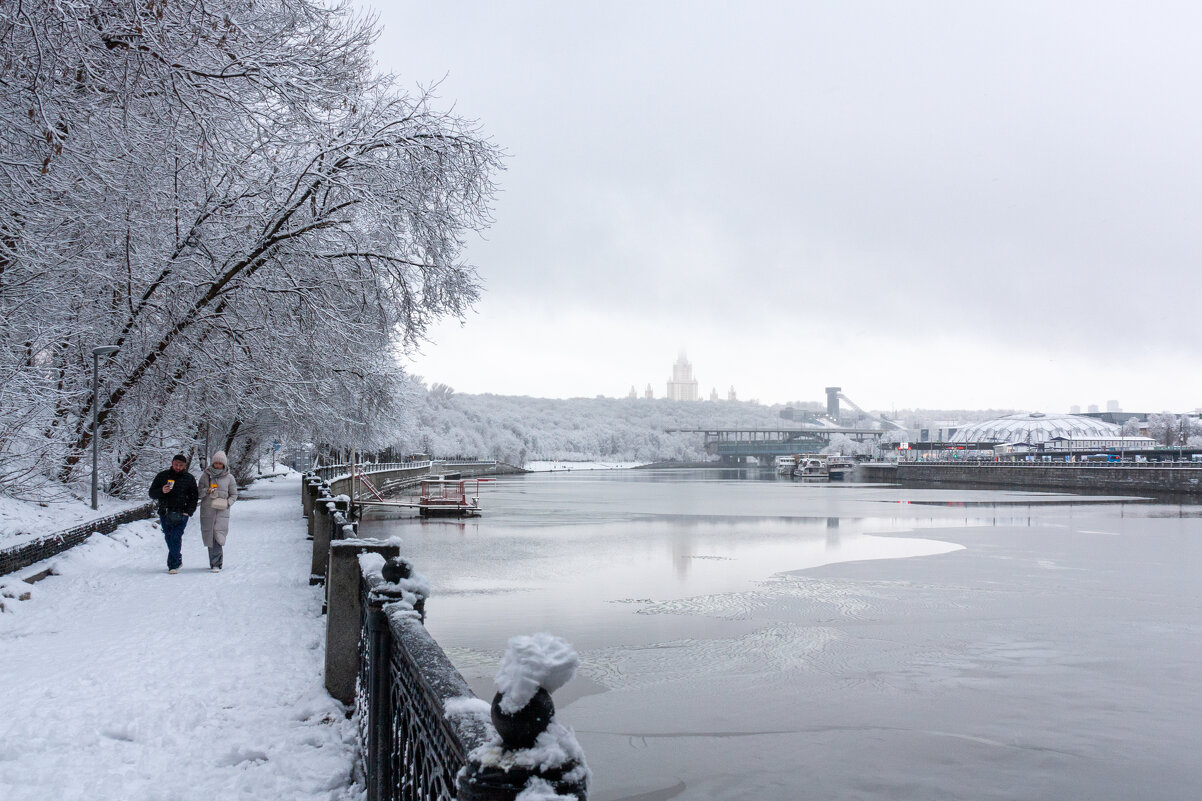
[736, 444]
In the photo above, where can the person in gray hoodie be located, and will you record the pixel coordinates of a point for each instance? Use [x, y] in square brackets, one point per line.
[218, 491]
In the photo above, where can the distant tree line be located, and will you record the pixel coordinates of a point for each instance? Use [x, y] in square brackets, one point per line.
[1169, 429]
[522, 429]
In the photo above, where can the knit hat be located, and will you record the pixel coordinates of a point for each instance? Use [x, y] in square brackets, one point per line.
[219, 456]
[179, 457]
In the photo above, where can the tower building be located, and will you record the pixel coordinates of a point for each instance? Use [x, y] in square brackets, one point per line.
[682, 386]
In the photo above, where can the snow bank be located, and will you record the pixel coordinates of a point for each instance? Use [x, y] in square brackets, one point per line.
[25, 521]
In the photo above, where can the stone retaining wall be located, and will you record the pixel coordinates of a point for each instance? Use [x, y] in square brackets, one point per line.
[19, 557]
[1139, 479]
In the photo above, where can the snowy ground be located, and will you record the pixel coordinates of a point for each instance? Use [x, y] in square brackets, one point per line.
[123, 682]
[22, 521]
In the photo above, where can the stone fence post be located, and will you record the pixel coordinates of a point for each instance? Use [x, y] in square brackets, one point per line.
[309, 488]
[344, 613]
[320, 530]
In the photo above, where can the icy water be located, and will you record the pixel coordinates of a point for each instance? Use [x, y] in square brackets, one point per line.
[743, 637]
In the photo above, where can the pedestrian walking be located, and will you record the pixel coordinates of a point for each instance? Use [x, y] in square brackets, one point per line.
[175, 490]
[218, 491]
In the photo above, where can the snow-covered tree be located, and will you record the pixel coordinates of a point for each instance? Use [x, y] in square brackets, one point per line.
[519, 429]
[845, 445]
[1131, 428]
[1162, 427]
[229, 192]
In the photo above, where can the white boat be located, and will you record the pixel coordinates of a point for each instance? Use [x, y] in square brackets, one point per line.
[786, 464]
[840, 467]
[812, 466]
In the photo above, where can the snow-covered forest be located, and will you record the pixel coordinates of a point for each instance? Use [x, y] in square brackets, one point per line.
[231, 194]
[518, 429]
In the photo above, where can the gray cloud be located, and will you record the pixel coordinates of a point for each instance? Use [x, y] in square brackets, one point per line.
[1022, 178]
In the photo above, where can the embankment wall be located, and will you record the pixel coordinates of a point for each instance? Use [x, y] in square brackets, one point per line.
[1182, 480]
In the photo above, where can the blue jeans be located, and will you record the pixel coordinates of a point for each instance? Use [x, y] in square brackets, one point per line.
[174, 534]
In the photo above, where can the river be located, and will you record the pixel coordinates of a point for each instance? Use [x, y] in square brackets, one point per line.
[743, 636]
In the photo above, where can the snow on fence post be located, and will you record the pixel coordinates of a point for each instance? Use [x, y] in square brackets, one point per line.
[424, 733]
[320, 489]
[531, 752]
[320, 527]
[309, 489]
[344, 613]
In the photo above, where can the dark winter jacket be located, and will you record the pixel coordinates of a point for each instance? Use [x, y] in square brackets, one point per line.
[183, 496]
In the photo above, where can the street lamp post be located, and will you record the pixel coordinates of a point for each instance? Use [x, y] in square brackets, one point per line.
[103, 350]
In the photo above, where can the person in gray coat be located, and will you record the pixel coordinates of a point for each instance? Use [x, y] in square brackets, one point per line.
[218, 491]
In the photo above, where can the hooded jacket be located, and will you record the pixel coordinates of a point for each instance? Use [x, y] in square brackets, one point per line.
[215, 523]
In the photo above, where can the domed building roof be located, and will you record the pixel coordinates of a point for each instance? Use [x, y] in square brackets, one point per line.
[1036, 427]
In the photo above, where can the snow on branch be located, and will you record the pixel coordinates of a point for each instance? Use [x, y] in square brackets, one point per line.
[255, 216]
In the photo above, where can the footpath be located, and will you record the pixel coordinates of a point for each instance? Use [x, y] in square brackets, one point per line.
[119, 681]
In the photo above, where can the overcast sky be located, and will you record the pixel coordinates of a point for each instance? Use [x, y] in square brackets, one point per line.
[941, 205]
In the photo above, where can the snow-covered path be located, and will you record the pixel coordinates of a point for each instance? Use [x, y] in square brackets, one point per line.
[119, 681]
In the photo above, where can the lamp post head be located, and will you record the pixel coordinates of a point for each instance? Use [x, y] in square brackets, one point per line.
[105, 350]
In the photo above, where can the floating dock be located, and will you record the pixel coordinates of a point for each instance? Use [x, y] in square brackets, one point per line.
[439, 497]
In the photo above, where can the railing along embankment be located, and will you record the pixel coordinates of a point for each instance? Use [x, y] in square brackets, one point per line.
[391, 476]
[333, 490]
[424, 734]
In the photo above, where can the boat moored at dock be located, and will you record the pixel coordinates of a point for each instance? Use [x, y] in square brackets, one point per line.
[812, 467]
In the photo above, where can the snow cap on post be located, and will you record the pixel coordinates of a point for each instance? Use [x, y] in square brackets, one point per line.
[530, 662]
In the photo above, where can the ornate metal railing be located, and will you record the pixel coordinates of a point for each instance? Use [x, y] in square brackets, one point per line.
[412, 750]
[420, 724]
[331, 472]
[424, 734]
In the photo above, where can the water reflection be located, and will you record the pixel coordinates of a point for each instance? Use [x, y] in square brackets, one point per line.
[815, 618]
